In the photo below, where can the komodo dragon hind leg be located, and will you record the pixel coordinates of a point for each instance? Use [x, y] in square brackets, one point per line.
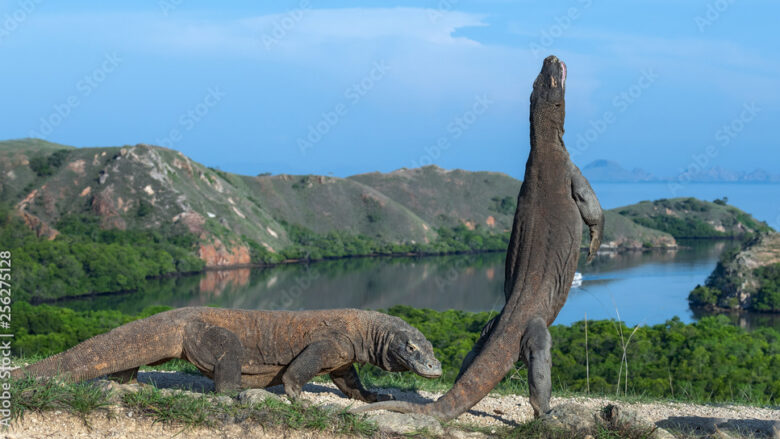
[535, 352]
[347, 380]
[217, 351]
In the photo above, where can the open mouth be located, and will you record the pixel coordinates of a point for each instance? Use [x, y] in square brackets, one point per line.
[563, 74]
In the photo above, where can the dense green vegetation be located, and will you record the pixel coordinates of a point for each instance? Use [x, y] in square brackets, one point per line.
[681, 227]
[692, 218]
[46, 165]
[720, 287]
[85, 259]
[310, 245]
[710, 360]
[767, 297]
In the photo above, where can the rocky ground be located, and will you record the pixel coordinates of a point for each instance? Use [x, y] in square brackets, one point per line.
[492, 414]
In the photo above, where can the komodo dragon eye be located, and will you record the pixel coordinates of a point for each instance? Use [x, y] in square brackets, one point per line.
[411, 347]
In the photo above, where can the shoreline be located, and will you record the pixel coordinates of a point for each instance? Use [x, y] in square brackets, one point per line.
[212, 268]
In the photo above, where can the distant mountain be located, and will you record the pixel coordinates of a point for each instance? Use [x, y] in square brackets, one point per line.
[608, 171]
[717, 174]
[613, 172]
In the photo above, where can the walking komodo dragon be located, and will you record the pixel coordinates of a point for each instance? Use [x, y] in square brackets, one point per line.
[239, 349]
[541, 261]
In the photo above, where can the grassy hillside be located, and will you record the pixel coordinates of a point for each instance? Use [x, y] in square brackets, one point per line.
[692, 218]
[324, 204]
[622, 233]
[450, 198]
[268, 218]
[140, 187]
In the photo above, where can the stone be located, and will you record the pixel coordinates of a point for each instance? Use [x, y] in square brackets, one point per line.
[570, 416]
[617, 415]
[454, 433]
[401, 423]
[256, 396]
[224, 400]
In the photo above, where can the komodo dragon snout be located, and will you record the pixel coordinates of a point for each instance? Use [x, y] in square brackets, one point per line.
[410, 350]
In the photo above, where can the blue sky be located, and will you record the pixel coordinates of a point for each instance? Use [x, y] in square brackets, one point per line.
[336, 87]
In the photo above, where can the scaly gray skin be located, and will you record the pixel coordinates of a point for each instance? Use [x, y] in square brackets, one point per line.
[541, 260]
[240, 349]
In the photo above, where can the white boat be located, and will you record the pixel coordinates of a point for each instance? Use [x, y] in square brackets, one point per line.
[577, 281]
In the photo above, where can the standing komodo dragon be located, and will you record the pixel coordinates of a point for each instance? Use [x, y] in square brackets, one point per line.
[540, 263]
[239, 349]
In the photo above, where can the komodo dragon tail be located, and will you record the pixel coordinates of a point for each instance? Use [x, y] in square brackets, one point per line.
[127, 347]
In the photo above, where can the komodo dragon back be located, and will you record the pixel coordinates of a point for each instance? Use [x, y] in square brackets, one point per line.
[541, 261]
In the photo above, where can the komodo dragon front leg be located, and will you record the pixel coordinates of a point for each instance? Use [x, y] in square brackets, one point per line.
[347, 380]
[320, 356]
[589, 207]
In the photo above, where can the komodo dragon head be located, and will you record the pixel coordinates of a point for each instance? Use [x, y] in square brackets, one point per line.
[547, 98]
[408, 349]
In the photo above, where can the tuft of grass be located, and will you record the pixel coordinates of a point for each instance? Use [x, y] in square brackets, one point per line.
[85, 398]
[538, 429]
[171, 408]
[182, 409]
[297, 416]
[40, 395]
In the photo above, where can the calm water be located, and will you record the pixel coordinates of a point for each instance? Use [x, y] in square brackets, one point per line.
[645, 288]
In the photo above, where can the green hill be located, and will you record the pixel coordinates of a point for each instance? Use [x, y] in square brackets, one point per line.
[692, 218]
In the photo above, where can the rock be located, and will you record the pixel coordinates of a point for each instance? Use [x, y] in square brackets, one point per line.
[400, 423]
[224, 400]
[256, 396]
[661, 433]
[117, 390]
[570, 416]
[454, 433]
[720, 434]
[615, 415]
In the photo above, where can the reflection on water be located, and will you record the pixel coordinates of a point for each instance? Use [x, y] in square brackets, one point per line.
[646, 287]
